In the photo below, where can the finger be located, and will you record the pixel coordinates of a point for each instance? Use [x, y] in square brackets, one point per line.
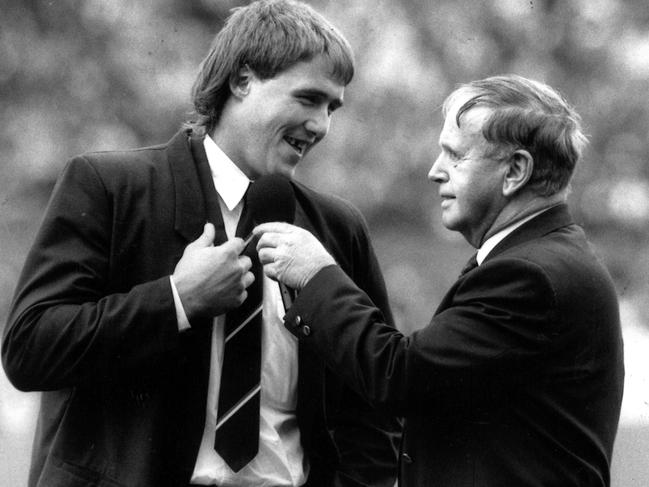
[271, 271]
[206, 239]
[234, 245]
[266, 255]
[276, 227]
[248, 279]
[245, 262]
[269, 240]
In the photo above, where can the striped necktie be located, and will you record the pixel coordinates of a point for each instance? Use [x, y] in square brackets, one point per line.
[237, 424]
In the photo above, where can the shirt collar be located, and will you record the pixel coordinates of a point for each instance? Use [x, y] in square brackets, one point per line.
[230, 182]
[498, 237]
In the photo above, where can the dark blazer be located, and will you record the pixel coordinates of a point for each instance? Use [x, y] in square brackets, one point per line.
[516, 381]
[93, 324]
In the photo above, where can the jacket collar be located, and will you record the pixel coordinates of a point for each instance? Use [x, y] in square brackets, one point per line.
[554, 218]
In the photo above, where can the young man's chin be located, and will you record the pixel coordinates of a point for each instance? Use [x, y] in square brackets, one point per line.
[285, 170]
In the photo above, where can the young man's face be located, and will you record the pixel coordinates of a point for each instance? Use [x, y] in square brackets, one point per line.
[274, 123]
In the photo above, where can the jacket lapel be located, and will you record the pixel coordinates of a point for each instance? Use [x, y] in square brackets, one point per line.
[212, 209]
[192, 181]
[301, 219]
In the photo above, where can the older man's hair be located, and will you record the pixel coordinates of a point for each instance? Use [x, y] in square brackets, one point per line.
[268, 37]
[528, 115]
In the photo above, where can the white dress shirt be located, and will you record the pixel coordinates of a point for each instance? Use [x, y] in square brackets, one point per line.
[280, 460]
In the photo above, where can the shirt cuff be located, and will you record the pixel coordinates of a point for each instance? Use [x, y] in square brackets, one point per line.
[181, 316]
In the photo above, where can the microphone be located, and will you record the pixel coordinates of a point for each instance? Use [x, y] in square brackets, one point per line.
[271, 199]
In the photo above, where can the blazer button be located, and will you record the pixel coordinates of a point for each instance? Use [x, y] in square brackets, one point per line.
[406, 458]
[297, 321]
[306, 330]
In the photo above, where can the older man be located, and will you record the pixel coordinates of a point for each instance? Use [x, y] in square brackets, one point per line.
[517, 380]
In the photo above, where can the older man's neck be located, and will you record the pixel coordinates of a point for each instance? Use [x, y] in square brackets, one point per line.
[520, 208]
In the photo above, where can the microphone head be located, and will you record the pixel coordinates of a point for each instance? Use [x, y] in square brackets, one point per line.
[271, 199]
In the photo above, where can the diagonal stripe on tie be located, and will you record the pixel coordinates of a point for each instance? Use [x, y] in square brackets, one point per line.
[236, 438]
[240, 327]
[242, 402]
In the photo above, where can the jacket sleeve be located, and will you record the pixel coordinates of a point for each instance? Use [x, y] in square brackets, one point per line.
[367, 438]
[64, 327]
[493, 334]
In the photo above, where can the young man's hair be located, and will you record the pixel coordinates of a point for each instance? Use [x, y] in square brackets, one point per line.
[268, 37]
[530, 115]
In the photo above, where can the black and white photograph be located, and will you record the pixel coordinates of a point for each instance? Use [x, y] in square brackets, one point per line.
[324, 243]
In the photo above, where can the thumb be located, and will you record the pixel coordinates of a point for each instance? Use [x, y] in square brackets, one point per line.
[206, 239]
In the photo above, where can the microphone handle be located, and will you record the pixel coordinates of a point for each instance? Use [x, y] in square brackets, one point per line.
[247, 242]
[288, 295]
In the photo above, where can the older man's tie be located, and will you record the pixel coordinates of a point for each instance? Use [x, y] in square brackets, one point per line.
[237, 423]
[471, 264]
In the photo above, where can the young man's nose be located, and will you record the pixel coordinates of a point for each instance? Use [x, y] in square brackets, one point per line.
[318, 123]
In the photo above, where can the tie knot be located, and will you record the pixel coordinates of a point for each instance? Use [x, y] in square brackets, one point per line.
[471, 264]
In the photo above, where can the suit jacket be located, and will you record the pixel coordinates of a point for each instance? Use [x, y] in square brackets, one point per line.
[93, 324]
[517, 380]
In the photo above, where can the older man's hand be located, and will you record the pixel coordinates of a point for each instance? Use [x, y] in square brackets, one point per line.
[290, 254]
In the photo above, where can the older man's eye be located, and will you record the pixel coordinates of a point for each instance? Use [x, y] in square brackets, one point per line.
[307, 100]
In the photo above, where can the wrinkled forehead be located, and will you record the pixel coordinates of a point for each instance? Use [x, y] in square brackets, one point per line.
[456, 101]
[470, 122]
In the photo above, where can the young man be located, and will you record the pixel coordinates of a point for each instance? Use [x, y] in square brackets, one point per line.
[517, 379]
[124, 308]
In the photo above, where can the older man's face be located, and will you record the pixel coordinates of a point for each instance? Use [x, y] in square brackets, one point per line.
[470, 183]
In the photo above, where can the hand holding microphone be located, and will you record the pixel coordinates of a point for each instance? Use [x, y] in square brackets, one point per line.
[271, 199]
[290, 254]
[211, 280]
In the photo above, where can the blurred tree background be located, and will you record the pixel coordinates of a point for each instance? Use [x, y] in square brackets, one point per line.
[89, 75]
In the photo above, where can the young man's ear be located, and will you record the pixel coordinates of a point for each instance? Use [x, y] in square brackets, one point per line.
[240, 81]
[519, 172]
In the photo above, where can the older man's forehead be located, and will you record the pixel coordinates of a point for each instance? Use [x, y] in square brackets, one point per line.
[471, 122]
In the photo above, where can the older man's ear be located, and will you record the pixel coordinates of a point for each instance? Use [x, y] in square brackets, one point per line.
[519, 172]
